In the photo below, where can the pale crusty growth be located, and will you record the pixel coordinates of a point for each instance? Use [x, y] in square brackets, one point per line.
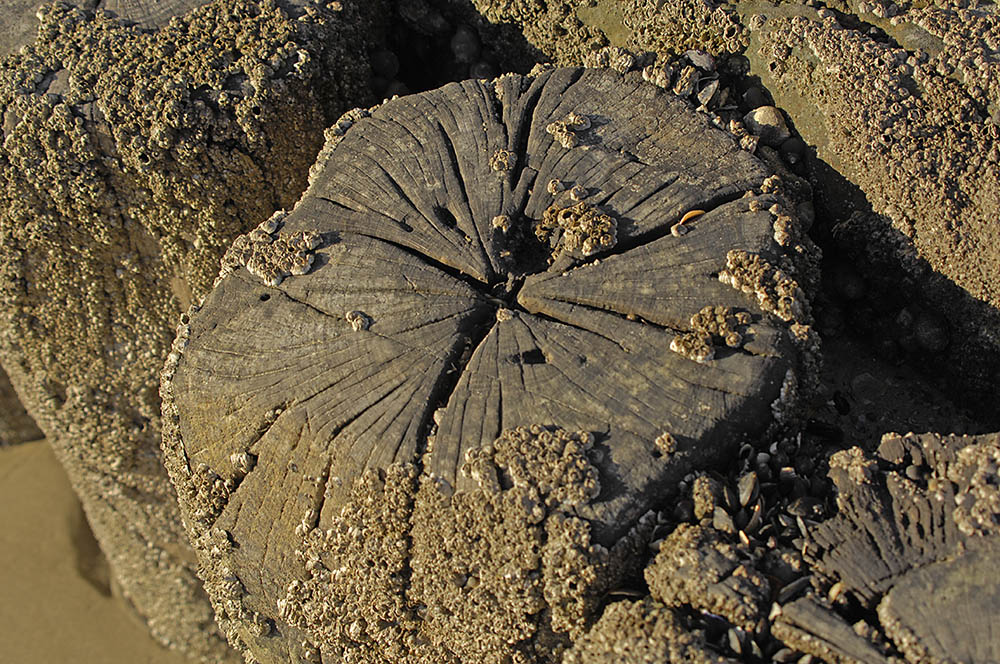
[269, 255]
[859, 468]
[353, 602]
[642, 632]
[976, 472]
[775, 291]
[697, 567]
[666, 443]
[911, 120]
[573, 33]
[705, 494]
[564, 131]
[680, 25]
[695, 346]
[502, 161]
[478, 575]
[545, 26]
[507, 568]
[581, 228]
[709, 326]
[130, 159]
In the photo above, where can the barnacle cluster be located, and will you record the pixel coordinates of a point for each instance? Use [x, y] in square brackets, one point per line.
[272, 257]
[502, 161]
[581, 227]
[637, 632]
[565, 130]
[359, 320]
[776, 292]
[976, 474]
[707, 326]
[474, 575]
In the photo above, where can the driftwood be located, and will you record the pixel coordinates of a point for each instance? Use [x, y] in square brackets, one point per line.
[384, 448]
[916, 539]
[131, 158]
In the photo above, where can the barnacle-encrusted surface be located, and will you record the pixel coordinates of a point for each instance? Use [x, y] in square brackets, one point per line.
[642, 632]
[898, 101]
[709, 326]
[916, 529]
[271, 256]
[472, 327]
[906, 112]
[696, 567]
[130, 159]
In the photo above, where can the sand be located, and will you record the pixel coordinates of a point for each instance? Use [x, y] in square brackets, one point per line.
[57, 605]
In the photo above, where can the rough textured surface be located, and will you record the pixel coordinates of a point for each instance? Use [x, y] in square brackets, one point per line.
[898, 108]
[16, 426]
[916, 529]
[696, 567]
[641, 632]
[344, 409]
[130, 160]
[918, 138]
[810, 625]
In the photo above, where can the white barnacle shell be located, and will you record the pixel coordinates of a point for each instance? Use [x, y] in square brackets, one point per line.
[302, 267]
[359, 320]
[568, 140]
[271, 224]
[578, 121]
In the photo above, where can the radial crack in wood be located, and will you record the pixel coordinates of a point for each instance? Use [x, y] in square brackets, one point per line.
[454, 418]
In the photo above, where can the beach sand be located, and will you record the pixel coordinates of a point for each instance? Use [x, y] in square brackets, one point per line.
[57, 602]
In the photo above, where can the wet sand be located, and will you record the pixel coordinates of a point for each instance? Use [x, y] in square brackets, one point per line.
[57, 605]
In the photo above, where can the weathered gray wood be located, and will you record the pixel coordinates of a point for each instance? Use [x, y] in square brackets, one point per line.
[916, 536]
[365, 417]
[149, 13]
[810, 625]
[946, 611]
[129, 160]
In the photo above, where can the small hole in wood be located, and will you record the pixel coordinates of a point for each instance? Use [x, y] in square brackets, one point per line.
[532, 357]
[445, 216]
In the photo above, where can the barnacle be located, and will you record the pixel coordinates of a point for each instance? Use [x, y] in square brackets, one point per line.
[272, 258]
[707, 326]
[502, 160]
[581, 227]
